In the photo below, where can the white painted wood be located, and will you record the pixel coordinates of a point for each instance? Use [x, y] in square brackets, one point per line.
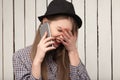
[19, 24]
[52, 0]
[91, 34]
[49, 1]
[41, 9]
[30, 21]
[68, 0]
[91, 38]
[79, 9]
[8, 38]
[104, 40]
[116, 39]
[0, 39]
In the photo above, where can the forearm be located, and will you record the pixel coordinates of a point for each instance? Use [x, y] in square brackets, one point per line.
[77, 69]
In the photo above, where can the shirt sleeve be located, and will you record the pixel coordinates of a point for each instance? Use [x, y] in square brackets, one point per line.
[20, 70]
[78, 72]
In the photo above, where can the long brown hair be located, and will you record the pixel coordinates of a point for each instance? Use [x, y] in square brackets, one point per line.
[61, 55]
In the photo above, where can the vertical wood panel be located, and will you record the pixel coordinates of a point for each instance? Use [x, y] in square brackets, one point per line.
[49, 1]
[35, 15]
[19, 24]
[68, 0]
[0, 39]
[116, 39]
[30, 21]
[97, 44]
[111, 40]
[79, 9]
[91, 38]
[104, 40]
[8, 38]
[41, 8]
[26, 15]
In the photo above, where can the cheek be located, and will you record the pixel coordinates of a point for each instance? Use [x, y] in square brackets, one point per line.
[52, 29]
[54, 32]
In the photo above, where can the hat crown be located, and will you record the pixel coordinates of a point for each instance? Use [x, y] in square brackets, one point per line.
[60, 6]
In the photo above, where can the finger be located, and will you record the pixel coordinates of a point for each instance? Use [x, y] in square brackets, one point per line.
[44, 36]
[65, 38]
[65, 32]
[58, 38]
[49, 39]
[50, 48]
[49, 43]
[70, 33]
[63, 42]
[61, 37]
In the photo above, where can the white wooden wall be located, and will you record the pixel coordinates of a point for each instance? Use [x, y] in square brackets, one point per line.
[98, 42]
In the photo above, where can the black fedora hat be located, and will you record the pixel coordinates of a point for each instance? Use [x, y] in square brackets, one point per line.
[61, 7]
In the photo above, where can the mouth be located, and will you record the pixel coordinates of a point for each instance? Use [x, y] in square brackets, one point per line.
[57, 42]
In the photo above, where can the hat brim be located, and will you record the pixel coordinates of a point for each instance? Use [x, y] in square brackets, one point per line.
[76, 17]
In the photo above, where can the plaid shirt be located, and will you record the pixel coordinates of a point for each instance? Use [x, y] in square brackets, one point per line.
[22, 66]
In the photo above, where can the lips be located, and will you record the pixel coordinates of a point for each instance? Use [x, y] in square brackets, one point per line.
[57, 42]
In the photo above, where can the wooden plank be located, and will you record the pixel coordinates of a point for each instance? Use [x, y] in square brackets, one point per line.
[19, 24]
[104, 39]
[91, 38]
[68, 0]
[30, 21]
[49, 1]
[1, 40]
[116, 39]
[52, 0]
[41, 9]
[79, 9]
[8, 38]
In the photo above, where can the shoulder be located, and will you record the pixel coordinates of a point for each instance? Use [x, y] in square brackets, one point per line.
[22, 53]
[21, 58]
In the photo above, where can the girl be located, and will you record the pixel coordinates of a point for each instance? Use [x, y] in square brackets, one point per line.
[41, 61]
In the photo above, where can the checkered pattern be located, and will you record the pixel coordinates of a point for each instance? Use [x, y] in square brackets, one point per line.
[22, 65]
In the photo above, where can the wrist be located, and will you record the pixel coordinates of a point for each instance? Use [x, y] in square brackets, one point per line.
[73, 52]
[39, 57]
[74, 58]
[73, 55]
[36, 70]
[37, 61]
